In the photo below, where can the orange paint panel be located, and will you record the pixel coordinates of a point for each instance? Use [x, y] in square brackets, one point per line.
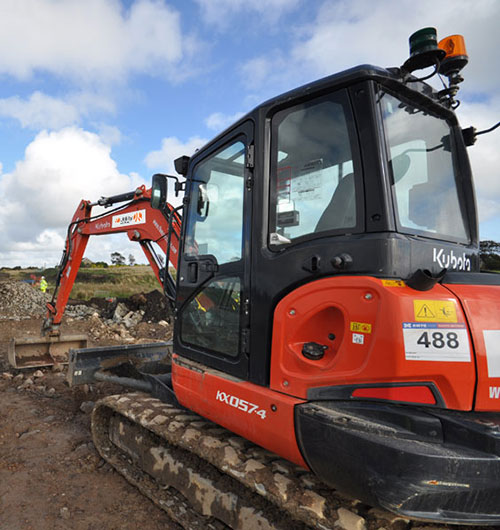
[322, 312]
[254, 412]
[482, 307]
[409, 394]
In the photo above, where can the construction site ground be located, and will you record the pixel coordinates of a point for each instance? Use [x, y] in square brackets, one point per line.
[51, 476]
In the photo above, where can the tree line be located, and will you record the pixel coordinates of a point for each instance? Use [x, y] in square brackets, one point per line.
[489, 252]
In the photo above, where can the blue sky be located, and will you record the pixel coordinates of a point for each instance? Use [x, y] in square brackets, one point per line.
[96, 96]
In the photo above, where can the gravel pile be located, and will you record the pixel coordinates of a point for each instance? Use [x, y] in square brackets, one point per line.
[116, 319]
[19, 299]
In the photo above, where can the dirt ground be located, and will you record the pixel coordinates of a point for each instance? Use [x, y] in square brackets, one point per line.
[51, 476]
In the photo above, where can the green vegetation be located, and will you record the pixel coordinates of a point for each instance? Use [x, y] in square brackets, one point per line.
[490, 255]
[91, 281]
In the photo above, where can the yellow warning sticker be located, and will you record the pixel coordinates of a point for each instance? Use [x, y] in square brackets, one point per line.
[361, 327]
[393, 283]
[434, 311]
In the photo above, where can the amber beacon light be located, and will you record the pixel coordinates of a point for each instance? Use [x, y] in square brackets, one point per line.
[456, 55]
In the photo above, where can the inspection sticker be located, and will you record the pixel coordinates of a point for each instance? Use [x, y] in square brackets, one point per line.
[432, 341]
[434, 311]
[361, 327]
[393, 283]
[358, 338]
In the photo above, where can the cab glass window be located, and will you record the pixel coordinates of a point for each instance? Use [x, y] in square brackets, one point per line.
[426, 196]
[211, 319]
[215, 217]
[314, 175]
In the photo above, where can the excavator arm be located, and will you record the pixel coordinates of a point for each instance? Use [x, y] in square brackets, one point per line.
[139, 221]
[134, 216]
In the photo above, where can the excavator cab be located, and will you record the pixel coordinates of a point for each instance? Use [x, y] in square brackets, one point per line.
[360, 173]
[328, 308]
[327, 277]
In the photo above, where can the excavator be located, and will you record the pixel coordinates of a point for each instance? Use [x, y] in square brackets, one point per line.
[142, 223]
[335, 345]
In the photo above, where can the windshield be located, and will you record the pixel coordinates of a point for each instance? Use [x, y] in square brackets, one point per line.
[313, 183]
[424, 187]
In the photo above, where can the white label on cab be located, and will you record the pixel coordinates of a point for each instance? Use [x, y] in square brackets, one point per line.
[430, 341]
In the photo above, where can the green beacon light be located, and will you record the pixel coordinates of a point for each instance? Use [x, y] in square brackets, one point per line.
[424, 50]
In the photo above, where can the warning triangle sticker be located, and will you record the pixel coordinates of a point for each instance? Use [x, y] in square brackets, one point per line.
[425, 312]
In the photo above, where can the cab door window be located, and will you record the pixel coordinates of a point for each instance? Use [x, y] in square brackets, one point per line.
[211, 319]
[215, 222]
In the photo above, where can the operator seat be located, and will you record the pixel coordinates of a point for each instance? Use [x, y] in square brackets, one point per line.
[341, 210]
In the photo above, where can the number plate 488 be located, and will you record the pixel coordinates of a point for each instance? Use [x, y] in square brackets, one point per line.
[436, 342]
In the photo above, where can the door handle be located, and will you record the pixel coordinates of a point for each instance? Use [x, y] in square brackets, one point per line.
[192, 272]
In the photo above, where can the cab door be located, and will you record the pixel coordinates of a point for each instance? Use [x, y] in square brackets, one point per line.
[212, 319]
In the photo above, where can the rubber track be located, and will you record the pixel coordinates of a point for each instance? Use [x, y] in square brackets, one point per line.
[297, 494]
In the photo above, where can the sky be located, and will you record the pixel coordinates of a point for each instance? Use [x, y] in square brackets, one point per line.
[96, 96]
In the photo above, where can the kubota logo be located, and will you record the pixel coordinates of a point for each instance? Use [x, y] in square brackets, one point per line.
[127, 219]
[448, 260]
[494, 392]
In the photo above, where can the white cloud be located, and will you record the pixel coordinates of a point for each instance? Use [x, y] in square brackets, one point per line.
[218, 121]
[344, 34]
[39, 197]
[42, 111]
[172, 148]
[91, 41]
[219, 12]
[110, 134]
[39, 111]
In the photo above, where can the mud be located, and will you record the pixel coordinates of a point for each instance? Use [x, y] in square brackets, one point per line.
[51, 476]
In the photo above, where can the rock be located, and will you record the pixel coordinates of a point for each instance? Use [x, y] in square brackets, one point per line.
[38, 374]
[51, 391]
[120, 311]
[27, 382]
[131, 319]
[87, 407]
[81, 450]
[349, 521]
[7, 375]
[57, 367]
[18, 378]
[64, 513]
[163, 323]
[27, 434]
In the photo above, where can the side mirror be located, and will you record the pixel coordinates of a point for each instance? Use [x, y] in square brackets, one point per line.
[203, 201]
[159, 191]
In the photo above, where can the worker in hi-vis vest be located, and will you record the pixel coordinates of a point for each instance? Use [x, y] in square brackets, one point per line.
[43, 284]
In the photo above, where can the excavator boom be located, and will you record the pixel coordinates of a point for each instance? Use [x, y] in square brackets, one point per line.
[141, 223]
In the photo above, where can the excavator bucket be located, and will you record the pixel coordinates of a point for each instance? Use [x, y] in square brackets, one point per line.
[43, 351]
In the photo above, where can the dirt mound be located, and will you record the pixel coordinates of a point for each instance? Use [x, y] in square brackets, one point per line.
[156, 308]
[153, 304]
[19, 299]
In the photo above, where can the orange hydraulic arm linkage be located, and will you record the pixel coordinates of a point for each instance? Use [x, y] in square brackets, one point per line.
[139, 220]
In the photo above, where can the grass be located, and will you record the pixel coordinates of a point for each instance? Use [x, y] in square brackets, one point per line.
[110, 282]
